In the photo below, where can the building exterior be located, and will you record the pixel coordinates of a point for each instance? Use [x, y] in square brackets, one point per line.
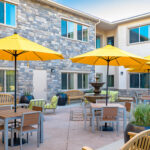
[71, 33]
[131, 35]
[54, 26]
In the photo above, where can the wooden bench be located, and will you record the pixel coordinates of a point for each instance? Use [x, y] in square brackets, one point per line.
[7, 99]
[74, 95]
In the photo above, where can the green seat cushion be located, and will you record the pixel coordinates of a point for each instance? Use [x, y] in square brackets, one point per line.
[36, 102]
[52, 104]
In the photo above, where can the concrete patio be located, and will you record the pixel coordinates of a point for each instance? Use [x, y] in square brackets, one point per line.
[62, 134]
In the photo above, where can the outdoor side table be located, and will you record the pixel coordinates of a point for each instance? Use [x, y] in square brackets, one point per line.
[98, 106]
[125, 99]
[145, 99]
[7, 115]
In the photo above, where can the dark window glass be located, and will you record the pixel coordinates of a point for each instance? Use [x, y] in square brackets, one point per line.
[111, 80]
[64, 81]
[79, 81]
[10, 14]
[98, 42]
[79, 32]
[134, 80]
[134, 35]
[144, 33]
[64, 28]
[143, 80]
[1, 12]
[110, 41]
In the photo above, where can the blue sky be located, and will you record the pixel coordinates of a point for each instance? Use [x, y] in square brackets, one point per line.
[110, 10]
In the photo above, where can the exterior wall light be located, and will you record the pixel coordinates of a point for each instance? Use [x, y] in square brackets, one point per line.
[121, 72]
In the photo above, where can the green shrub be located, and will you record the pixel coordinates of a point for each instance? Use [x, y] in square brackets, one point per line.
[142, 115]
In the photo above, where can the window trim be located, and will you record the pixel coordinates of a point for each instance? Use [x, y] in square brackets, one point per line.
[75, 30]
[4, 24]
[128, 35]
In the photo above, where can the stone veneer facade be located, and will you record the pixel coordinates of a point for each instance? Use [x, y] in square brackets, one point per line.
[42, 24]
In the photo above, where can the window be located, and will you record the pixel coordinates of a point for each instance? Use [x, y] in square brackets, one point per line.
[70, 30]
[85, 33]
[64, 28]
[139, 80]
[7, 81]
[140, 34]
[74, 81]
[110, 41]
[134, 35]
[74, 31]
[67, 81]
[111, 81]
[82, 81]
[79, 32]
[98, 42]
[7, 14]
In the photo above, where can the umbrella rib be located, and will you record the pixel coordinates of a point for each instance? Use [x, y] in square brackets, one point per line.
[8, 52]
[96, 60]
[38, 56]
[135, 60]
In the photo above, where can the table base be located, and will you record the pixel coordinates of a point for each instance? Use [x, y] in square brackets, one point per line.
[107, 128]
[16, 141]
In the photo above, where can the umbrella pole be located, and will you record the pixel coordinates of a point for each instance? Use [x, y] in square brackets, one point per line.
[107, 82]
[15, 98]
[148, 82]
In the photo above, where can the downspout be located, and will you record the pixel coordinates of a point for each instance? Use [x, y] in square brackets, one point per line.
[95, 42]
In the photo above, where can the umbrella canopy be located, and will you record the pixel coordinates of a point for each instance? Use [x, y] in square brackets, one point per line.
[114, 55]
[108, 55]
[25, 50]
[15, 48]
[138, 70]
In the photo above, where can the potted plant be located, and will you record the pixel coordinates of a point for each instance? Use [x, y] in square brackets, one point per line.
[140, 122]
[26, 97]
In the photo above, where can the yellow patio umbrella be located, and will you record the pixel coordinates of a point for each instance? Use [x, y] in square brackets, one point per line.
[109, 55]
[15, 47]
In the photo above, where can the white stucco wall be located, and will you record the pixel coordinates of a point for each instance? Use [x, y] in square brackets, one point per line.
[121, 34]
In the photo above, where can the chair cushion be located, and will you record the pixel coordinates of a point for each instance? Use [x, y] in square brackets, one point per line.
[52, 104]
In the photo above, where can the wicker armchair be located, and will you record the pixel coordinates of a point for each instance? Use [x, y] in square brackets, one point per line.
[140, 141]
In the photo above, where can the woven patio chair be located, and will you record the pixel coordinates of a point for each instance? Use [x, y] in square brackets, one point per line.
[140, 141]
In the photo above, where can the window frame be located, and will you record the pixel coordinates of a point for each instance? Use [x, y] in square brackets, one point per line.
[4, 24]
[5, 80]
[75, 30]
[75, 74]
[139, 74]
[139, 42]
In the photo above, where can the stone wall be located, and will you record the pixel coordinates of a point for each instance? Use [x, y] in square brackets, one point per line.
[42, 24]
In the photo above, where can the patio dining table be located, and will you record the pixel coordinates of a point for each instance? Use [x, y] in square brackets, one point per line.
[99, 106]
[7, 115]
[145, 99]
